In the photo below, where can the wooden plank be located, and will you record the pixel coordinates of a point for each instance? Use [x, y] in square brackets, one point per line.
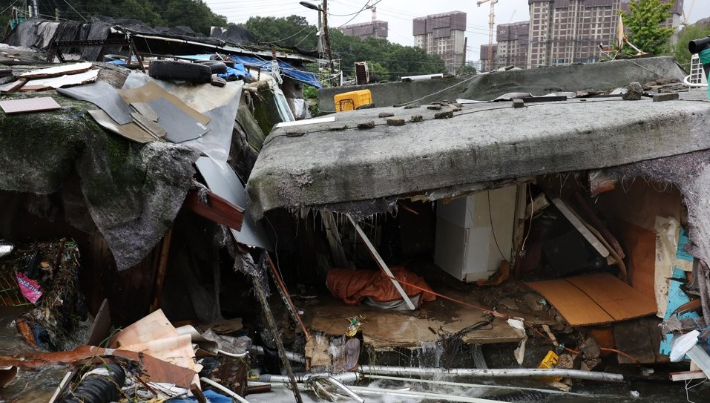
[56, 71]
[614, 296]
[641, 249]
[579, 226]
[687, 375]
[162, 269]
[641, 340]
[384, 329]
[58, 82]
[375, 255]
[99, 331]
[216, 209]
[597, 223]
[573, 304]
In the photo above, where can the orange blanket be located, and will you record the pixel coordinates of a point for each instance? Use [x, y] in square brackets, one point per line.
[351, 286]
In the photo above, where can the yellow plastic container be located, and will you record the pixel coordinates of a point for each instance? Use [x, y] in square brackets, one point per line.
[352, 100]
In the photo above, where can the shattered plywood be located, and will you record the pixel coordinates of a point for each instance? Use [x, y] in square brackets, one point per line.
[594, 299]
[58, 82]
[387, 329]
[61, 70]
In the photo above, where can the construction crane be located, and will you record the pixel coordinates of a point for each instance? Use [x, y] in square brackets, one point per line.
[491, 25]
[687, 16]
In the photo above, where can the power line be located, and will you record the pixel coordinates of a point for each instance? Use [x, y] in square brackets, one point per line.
[361, 10]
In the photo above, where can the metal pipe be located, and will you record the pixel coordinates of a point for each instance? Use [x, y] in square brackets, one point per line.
[475, 385]
[342, 377]
[493, 373]
[294, 357]
[223, 389]
[425, 395]
[345, 389]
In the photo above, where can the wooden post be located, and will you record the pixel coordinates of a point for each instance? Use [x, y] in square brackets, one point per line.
[381, 263]
[162, 268]
[277, 338]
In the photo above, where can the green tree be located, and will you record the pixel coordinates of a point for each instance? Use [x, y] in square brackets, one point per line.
[289, 31]
[467, 70]
[680, 49]
[192, 13]
[396, 60]
[378, 72]
[644, 24]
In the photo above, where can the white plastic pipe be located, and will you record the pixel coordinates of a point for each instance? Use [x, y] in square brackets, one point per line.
[493, 373]
[342, 377]
[345, 389]
[424, 395]
[225, 390]
[474, 385]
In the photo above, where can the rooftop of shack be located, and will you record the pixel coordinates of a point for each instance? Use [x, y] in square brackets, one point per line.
[337, 165]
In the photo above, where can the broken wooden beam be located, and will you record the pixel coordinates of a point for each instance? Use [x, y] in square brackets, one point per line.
[687, 375]
[216, 209]
[381, 263]
[261, 295]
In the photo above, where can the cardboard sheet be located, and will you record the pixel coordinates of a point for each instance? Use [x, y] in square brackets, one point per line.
[594, 299]
[152, 327]
[130, 130]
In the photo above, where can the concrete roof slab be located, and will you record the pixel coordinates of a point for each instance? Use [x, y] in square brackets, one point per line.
[330, 163]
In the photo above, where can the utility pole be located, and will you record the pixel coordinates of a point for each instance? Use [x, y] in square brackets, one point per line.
[465, 45]
[324, 9]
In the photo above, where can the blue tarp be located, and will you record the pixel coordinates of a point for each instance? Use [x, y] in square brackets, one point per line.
[286, 69]
[238, 71]
[212, 397]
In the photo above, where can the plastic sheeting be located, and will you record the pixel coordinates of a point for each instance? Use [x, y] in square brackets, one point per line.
[285, 69]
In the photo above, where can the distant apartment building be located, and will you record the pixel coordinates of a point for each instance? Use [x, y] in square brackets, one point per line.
[563, 32]
[512, 44]
[443, 35]
[485, 64]
[373, 29]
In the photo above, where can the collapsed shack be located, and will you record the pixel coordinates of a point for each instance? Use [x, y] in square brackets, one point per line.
[450, 188]
[98, 159]
[329, 197]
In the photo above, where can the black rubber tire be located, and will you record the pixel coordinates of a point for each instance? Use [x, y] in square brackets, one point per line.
[173, 70]
[216, 66]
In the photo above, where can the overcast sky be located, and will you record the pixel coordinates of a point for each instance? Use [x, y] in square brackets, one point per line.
[399, 14]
